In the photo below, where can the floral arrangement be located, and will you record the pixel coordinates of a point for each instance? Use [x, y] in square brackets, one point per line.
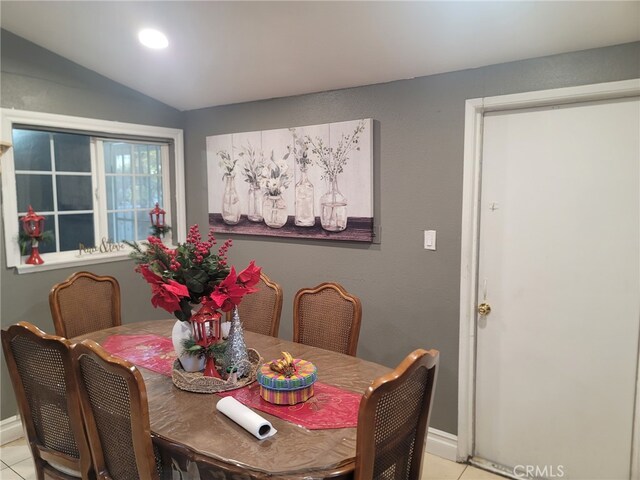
[253, 165]
[275, 177]
[299, 150]
[192, 273]
[227, 164]
[333, 161]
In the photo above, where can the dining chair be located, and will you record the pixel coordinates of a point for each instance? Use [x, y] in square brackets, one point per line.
[260, 311]
[85, 303]
[327, 317]
[114, 405]
[393, 419]
[41, 372]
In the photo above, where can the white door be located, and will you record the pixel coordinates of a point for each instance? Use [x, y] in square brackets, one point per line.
[559, 265]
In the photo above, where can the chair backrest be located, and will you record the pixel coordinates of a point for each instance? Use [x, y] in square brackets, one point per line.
[393, 420]
[85, 303]
[116, 414]
[327, 317]
[260, 311]
[48, 401]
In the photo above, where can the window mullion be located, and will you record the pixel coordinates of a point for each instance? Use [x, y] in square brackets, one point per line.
[100, 221]
[56, 224]
[134, 193]
[166, 188]
[58, 174]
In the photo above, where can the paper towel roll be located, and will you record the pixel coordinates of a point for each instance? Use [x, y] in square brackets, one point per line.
[246, 418]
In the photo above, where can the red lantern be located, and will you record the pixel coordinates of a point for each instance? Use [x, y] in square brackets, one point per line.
[206, 332]
[33, 225]
[157, 216]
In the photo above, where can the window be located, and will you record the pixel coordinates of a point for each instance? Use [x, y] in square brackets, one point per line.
[134, 178]
[94, 182]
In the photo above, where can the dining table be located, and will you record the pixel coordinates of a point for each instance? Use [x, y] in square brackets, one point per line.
[198, 442]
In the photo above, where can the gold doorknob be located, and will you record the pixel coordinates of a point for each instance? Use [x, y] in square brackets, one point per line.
[484, 309]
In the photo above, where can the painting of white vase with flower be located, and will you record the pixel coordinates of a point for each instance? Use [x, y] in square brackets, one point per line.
[313, 181]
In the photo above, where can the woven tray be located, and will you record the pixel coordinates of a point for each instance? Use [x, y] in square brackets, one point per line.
[198, 383]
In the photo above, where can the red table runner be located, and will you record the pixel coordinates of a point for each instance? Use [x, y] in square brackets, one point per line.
[152, 352]
[330, 407]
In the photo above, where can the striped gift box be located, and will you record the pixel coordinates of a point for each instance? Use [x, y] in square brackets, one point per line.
[280, 390]
[286, 397]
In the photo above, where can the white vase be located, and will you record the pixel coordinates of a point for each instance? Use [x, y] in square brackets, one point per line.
[305, 216]
[182, 331]
[230, 201]
[254, 210]
[333, 213]
[225, 327]
[274, 211]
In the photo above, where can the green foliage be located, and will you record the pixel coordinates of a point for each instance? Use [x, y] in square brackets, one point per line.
[157, 231]
[196, 280]
[184, 313]
[24, 240]
[332, 160]
[253, 164]
[192, 348]
[227, 163]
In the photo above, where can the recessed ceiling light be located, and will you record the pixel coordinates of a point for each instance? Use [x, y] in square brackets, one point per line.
[153, 38]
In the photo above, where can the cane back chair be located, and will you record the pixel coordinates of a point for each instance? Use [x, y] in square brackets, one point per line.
[327, 317]
[393, 420]
[260, 311]
[42, 375]
[85, 303]
[116, 414]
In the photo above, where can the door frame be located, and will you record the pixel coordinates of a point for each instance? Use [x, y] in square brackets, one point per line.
[473, 138]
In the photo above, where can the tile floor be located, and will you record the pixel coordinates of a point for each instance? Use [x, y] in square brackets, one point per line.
[15, 461]
[16, 464]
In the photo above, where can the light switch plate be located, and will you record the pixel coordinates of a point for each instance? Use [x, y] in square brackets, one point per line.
[429, 239]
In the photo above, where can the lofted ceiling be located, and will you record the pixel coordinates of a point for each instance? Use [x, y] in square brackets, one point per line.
[223, 52]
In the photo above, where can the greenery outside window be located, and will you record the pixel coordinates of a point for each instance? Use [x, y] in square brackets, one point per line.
[93, 181]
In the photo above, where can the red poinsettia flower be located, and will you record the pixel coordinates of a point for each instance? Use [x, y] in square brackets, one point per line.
[148, 275]
[250, 276]
[168, 295]
[228, 293]
[165, 295]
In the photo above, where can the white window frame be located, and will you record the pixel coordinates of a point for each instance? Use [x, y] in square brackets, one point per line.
[102, 129]
[100, 201]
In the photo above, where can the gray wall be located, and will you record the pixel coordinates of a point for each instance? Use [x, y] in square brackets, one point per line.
[409, 295]
[35, 79]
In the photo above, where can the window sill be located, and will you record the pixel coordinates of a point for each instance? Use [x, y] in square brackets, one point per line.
[77, 261]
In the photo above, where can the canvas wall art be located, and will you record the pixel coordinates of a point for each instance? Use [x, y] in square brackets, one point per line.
[313, 181]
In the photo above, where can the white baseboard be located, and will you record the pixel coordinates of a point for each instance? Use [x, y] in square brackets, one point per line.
[10, 429]
[442, 444]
